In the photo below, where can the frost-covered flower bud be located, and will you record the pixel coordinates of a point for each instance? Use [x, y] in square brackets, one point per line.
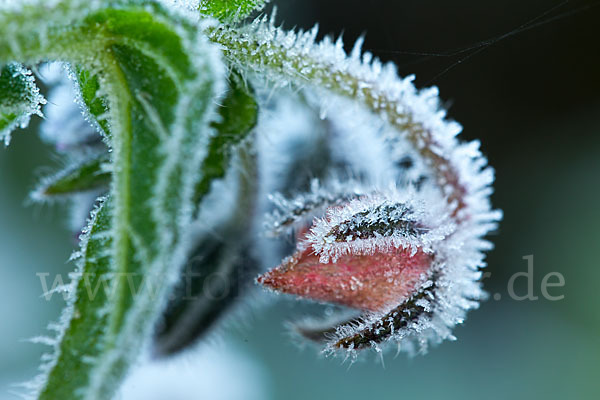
[370, 253]
[393, 255]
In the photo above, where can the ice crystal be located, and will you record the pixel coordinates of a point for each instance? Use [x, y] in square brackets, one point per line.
[376, 223]
[293, 214]
[67, 124]
[20, 98]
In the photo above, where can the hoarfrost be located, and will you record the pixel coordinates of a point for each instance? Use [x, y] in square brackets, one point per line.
[395, 176]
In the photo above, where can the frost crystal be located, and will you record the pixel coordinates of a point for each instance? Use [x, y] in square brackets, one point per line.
[296, 213]
[64, 126]
[20, 98]
[376, 223]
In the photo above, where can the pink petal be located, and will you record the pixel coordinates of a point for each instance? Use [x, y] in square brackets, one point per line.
[367, 282]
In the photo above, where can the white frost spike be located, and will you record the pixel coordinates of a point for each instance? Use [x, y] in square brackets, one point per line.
[21, 100]
[295, 213]
[378, 222]
[45, 340]
[67, 125]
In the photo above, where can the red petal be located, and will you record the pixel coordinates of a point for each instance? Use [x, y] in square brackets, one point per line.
[368, 282]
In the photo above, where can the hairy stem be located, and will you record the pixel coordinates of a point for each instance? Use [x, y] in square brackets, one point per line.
[296, 58]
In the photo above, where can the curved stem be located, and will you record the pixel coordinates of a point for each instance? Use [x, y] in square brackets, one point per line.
[295, 58]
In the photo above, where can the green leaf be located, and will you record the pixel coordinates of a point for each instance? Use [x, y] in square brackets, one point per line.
[91, 174]
[160, 79]
[239, 115]
[95, 103]
[218, 270]
[230, 10]
[86, 311]
[19, 99]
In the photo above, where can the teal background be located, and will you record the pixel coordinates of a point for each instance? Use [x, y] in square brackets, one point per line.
[533, 101]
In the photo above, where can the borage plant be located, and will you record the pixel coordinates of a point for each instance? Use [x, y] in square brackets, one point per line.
[200, 125]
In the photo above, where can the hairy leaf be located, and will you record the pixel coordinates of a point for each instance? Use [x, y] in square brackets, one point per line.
[88, 175]
[160, 79]
[19, 99]
[94, 102]
[219, 266]
[82, 340]
[239, 114]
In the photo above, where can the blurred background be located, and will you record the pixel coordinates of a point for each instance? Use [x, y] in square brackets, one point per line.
[533, 98]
